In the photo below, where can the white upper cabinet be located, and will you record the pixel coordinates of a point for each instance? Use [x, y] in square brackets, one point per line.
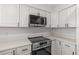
[24, 16]
[67, 17]
[33, 11]
[54, 19]
[63, 18]
[42, 13]
[71, 16]
[9, 15]
[48, 16]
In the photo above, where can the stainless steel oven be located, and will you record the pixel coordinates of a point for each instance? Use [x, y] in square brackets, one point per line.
[40, 45]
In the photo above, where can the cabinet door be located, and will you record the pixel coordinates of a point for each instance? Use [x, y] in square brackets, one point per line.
[63, 18]
[71, 18]
[33, 11]
[48, 15]
[53, 47]
[54, 20]
[42, 13]
[68, 49]
[7, 52]
[9, 15]
[58, 47]
[24, 50]
[24, 16]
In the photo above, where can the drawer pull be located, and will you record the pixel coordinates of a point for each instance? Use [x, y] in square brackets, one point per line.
[13, 52]
[73, 53]
[67, 45]
[24, 49]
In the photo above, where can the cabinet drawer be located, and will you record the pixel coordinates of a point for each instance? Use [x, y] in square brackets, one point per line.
[7, 52]
[24, 50]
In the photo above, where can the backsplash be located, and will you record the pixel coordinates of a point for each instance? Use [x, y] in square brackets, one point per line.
[65, 32]
[36, 31]
[20, 33]
[31, 30]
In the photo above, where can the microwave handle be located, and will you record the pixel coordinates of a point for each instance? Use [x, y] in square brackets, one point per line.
[45, 21]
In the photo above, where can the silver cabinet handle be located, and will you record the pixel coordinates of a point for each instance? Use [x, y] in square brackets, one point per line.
[67, 45]
[18, 24]
[67, 25]
[13, 52]
[24, 49]
[57, 25]
[59, 43]
[72, 53]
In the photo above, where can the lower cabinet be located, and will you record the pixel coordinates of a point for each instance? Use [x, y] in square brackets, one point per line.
[53, 47]
[62, 48]
[68, 49]
[23, 50]
[8, 52]
[58, 47]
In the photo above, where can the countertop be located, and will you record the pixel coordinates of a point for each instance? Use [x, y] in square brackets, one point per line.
[61, 39]
[14, 41]
[10, 44]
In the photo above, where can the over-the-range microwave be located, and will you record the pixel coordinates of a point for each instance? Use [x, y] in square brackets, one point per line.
[37, 21]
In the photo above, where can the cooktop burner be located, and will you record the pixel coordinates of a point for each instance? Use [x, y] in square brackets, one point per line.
[37, 39]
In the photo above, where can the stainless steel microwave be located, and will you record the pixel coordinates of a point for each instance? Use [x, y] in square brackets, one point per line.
[37, 21]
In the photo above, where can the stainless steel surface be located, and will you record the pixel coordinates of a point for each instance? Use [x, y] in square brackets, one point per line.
[39, 42]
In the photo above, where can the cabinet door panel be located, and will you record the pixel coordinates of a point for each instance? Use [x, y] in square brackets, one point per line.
[71, 16]
[68, 49]
[24, 50]
[33, 11]
[9, 15]
[24, 16]
[7, 52]
[54, 20]
[42, 13]
[48, 15]
[53, 47]
[58, 47]
[62, 18]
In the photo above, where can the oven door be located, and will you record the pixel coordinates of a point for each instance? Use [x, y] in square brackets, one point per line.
[43, 51]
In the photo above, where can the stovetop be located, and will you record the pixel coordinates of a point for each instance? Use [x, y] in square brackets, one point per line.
[37, 39]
